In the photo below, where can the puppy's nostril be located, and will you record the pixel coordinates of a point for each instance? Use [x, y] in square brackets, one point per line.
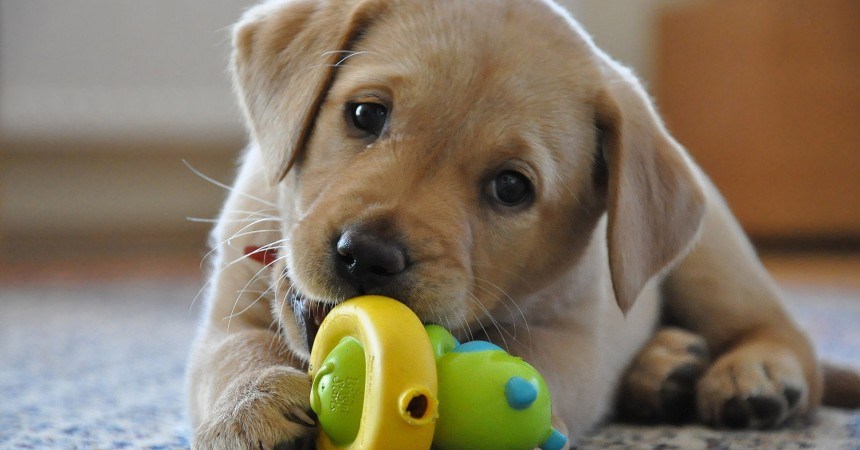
[345, 258]
[380, 270]
[344, 249]
[387, 265]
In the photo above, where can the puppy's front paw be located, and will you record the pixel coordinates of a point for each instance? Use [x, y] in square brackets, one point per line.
[753, 388]
[268, 411]
[660, 384]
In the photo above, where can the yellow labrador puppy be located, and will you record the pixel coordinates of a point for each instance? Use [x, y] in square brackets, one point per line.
[483, 162]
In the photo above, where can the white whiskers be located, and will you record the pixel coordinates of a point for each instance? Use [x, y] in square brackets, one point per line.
[225, 186]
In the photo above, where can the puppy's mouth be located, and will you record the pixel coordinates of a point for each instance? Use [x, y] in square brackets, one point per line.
[309, 316]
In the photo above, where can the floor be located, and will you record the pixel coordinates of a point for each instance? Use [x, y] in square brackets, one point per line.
[93, 355]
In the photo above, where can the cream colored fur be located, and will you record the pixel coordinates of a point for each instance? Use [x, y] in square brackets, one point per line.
[622, 220]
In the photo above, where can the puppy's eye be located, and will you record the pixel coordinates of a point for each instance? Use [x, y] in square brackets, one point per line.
[511, 188]
[368, 117]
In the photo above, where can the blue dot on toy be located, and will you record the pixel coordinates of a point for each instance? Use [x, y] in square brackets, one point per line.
[476, 346]
[520, 393]
[556, 441]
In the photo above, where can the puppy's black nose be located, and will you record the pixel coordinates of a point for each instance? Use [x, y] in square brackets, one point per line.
[368, 260]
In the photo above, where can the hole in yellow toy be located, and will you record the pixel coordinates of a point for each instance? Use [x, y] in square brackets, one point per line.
[417, 407]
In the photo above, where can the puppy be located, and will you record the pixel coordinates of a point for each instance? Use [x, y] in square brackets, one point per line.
[484, 163]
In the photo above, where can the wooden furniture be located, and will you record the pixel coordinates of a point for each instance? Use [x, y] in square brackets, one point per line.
[765, 95]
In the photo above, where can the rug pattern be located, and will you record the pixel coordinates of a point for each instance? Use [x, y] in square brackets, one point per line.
[102, 367]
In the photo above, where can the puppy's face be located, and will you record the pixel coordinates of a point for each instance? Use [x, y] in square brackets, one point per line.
[451, 166]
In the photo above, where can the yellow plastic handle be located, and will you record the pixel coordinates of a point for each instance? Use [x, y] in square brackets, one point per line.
[400, 395]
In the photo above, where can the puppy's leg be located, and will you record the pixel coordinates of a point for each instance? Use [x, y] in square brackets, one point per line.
[245, 388]
[247, 397]
[660, 384]
[765, 369]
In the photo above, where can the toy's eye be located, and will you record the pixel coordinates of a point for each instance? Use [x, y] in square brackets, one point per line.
[520, 393]
[368, 117]
[510, 188]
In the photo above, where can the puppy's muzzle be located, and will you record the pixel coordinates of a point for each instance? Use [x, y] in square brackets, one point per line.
[367, 258]
[370, 260]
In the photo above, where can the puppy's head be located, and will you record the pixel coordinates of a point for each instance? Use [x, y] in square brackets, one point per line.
[456, 156]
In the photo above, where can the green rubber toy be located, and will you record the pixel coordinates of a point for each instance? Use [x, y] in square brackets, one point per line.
[488, 399]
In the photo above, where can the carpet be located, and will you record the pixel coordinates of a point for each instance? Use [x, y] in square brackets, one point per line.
[100, 366]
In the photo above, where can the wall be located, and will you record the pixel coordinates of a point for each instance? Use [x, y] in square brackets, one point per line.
[102, 100]
[625, 29]
[115, 67]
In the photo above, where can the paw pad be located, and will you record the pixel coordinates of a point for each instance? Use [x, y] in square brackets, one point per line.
[756, 411]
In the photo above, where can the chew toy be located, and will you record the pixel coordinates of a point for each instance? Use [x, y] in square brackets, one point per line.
[382, 380]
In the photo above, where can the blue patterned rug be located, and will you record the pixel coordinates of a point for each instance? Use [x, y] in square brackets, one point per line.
[101, 367]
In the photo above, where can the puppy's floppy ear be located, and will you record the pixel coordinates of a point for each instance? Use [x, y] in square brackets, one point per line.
[655, 202]
[283, 61]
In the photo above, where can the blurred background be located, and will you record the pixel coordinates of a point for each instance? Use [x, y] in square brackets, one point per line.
[107, 105]
[104, 104]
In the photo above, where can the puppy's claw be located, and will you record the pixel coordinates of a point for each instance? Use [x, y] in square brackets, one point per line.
[298, 414]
